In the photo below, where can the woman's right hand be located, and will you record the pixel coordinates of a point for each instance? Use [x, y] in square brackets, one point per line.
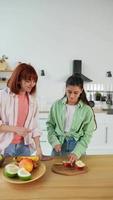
[57, 148]
[22, 131]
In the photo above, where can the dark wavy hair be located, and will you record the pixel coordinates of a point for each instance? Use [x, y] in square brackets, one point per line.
[76, 80]
[22, 72]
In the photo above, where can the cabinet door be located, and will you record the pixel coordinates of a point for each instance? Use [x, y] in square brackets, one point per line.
[109, 134]
[99, 138]
[45, 146]
[102, 140]
[43, 129]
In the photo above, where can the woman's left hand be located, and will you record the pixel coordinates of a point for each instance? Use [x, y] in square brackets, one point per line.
[39, 152]
[72, 158]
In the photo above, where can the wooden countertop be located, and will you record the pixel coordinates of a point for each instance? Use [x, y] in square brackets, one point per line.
[96, 184]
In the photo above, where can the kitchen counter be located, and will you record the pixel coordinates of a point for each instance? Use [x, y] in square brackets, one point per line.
[103, 110]
[96, 110]
[96, 184]
[99, 110]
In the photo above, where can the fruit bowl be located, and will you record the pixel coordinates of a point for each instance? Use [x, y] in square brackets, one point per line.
[36, 174]
[23, 170]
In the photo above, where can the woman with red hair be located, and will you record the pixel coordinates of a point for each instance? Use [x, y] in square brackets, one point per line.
[18, 113]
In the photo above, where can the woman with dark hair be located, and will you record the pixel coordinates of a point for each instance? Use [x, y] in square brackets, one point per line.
[71, 121]
[18, 113]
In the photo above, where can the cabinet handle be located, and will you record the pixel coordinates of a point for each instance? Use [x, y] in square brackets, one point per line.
[106, 135]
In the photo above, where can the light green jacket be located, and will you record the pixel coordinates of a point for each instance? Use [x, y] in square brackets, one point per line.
[82, 127]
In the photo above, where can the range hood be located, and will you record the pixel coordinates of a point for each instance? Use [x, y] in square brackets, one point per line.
[77, 68]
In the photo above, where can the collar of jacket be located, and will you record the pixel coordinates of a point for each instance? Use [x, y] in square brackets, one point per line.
[13, 94]
[80, 103]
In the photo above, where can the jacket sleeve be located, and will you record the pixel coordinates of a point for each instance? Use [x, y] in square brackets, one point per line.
[52, 138]
[88, 129]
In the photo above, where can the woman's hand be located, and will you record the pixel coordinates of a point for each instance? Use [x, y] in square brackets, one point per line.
[37, 146]
[72, 158]
[57, 148]
[39, 152]
[22, 131]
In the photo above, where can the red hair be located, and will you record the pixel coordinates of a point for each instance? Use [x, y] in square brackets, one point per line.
[22, 72]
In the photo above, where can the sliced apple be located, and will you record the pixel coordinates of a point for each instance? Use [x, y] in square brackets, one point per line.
[80, 164]
[68, 164]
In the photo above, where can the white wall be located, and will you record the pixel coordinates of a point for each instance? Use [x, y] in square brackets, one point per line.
[51, 33]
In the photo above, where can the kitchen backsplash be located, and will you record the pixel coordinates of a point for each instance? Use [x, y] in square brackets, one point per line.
[50, 90]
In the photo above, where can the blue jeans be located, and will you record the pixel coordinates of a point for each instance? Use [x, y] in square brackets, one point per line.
[67, 147]
[17, 150]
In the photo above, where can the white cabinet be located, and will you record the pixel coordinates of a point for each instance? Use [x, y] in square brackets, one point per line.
[102, 140]
[45, 146]
[109, 133]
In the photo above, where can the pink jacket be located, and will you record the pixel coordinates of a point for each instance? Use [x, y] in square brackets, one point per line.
[8, 115]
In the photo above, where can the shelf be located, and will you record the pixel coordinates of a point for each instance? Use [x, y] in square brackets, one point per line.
[3, 81]
[7, 70]
[103, 91]
[3, 76]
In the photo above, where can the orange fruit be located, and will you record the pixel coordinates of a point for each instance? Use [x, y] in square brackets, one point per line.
[27, 164]
[33, 158]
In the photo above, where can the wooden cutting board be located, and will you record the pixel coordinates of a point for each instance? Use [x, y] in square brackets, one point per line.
[61, 169]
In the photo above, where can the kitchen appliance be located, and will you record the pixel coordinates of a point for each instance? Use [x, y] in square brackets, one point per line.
[91, 102]
[77, 68]
[109, 99]
[42, 72]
